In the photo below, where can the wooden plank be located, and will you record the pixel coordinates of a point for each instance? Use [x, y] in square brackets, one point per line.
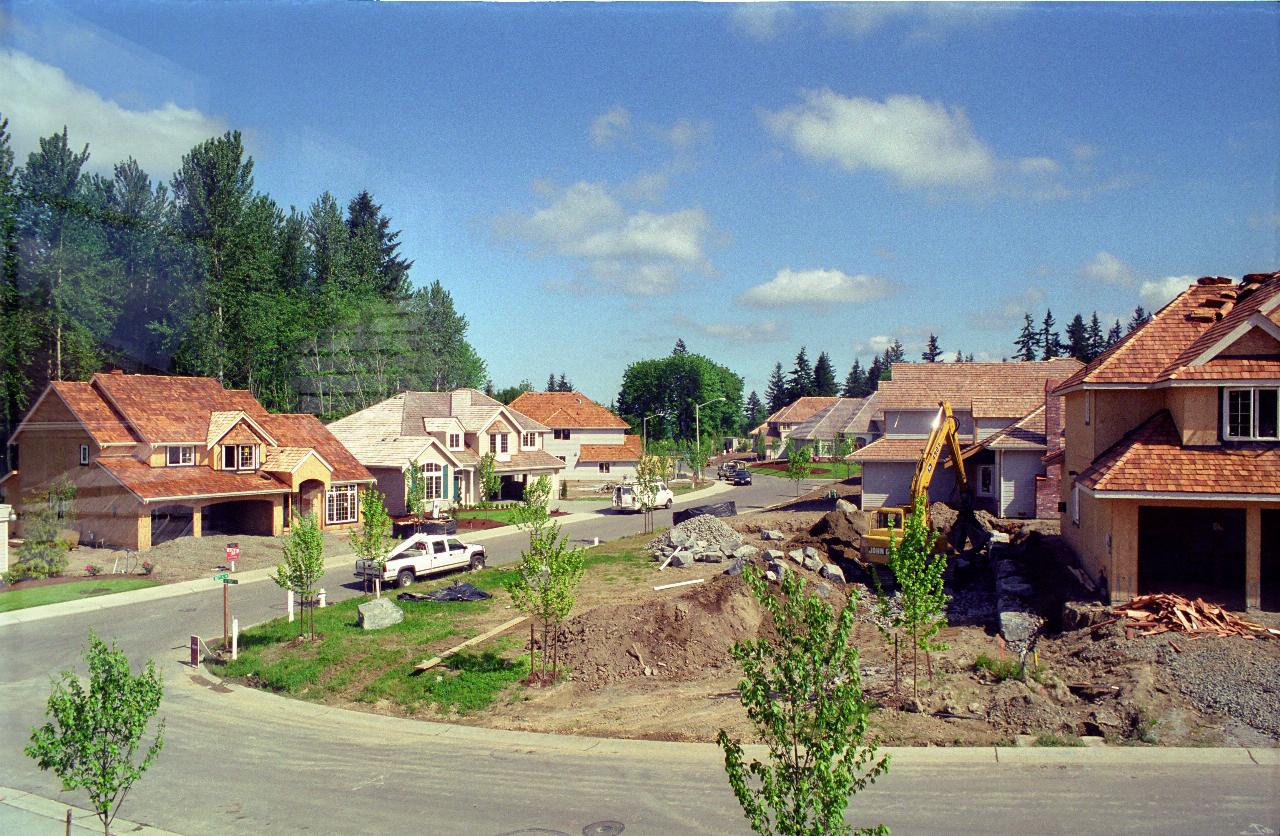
[428, 664]
[681, 583]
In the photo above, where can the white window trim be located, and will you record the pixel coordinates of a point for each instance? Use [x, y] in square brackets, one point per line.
[451, 444]
[331, 504]
[525, 444]
[603, 467]
[84, 454]
[432, 481]
[188, 449]
[1253, 413]
[977, 487]
[1088, 408]
[1075, 503]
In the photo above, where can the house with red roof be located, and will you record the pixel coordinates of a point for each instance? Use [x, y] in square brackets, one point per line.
[1171, 461]
[593, 443]
[155, 457]
[1006, 425]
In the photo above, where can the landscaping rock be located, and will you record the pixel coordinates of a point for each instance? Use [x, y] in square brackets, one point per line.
[813, 564]
[735, 567]
[746, 552]
[378, 613]
[778, 568]
[681, 560]
[796, 555]
[773, 554]
[710, 557]
[678, 537]
[1018, 627]
[832, 572]
[1079, 614]
[822, 589]
[845, 506]
[771, 534]
[811, 552]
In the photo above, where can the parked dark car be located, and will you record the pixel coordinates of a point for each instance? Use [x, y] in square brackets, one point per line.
[741, 476]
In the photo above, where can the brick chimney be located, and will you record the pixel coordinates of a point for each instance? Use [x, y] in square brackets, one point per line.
[1052, 417]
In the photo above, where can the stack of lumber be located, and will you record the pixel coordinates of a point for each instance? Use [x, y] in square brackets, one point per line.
[1149, 615]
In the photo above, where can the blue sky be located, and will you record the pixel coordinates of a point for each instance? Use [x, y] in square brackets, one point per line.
[593, 181]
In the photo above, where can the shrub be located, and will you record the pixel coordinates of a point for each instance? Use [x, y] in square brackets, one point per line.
[1051, 739]
[42, 553]
[1002, 669]
[147, 567]
[91, 570]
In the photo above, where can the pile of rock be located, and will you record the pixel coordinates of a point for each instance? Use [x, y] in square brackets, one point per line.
[703, 539]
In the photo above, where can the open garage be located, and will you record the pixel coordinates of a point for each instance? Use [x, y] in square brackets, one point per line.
[244, 516]
[1196, 552]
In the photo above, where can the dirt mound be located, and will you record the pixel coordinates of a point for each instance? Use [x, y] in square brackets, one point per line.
[678, 637]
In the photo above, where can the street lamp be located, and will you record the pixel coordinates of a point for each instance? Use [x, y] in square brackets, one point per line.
[697, 423]
[644, 425]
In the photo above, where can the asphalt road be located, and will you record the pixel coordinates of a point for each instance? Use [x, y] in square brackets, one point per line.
[238, 761]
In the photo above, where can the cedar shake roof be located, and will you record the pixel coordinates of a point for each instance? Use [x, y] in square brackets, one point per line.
[630, 450]
[1003, 390]
[567, 410]
[865, 419]
[1181, 332]
[528, 460]
[301, 430]
[830, 422]
[163, 409]
[1025, 434]
[156, 483]
[1151, 458]
[891, 450]
[285, 459]
[796, 412]
[103, 423]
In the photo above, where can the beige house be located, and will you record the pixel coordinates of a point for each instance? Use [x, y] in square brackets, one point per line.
[1171, 464]
[155, 457]
[772, 434]
[593, 443]
[445, 434]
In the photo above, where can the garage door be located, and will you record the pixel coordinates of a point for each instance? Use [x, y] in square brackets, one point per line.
[1270, 560]
[1197, 552]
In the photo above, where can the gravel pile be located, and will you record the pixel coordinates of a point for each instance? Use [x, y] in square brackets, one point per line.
[1238, 678]
[703, 538]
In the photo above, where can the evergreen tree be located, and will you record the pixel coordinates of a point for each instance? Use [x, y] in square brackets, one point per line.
[1078, 339]
[551, 382]
[374, 249]
[1115, 334]
[563, 384]
[855, 384]
[874, 374]
[754, 411]
[680, 347]
[1028, 341]
[775, 392]
[1097, 343]
[968, 358]
[959, 358]
[931, 351]
[1050, 342]
[1140, 318]
[895, 353]
[444, 359]
[800, 382]
[824, 377]
[18, 335]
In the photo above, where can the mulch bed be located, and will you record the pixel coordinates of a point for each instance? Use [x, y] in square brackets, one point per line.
[31, 583]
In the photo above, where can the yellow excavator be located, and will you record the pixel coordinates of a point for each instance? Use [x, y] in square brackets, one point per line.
[943, 433]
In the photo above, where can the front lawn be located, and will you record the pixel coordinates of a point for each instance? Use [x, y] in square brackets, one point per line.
[352, 665]
[21, 597]
[820, 470]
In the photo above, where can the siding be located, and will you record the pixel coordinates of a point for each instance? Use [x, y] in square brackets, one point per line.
[886, 483]
[1018, 471]
[570, 450]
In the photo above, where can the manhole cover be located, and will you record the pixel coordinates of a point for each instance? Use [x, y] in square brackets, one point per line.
[604, 828]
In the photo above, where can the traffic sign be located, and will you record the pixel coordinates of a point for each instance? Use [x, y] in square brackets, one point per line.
[233, 552]
[221, 576]
[230, 581]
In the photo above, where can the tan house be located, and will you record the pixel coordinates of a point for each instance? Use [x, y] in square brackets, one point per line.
[772, 434]
[1171, 464]
[592, 442]
[445, 434]
[850, 419]
[155, 457]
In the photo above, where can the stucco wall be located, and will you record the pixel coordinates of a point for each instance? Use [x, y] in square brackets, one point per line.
[1195, 412]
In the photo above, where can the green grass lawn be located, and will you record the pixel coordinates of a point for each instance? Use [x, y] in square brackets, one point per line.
[350, 664]
[821, 470]
[36, 596]
[506, 516]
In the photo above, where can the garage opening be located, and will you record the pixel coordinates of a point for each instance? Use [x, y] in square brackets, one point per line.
[512, 488]
[1269, 578]
[169, 522]
[246, 516]
[1196, 552]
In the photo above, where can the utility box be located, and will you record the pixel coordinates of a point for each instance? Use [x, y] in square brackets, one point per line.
[6, 515]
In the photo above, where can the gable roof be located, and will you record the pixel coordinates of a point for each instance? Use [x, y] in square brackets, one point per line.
[567, 410]
[221, 425]
[796, 412]
[630, 450]
[828, 423]
[165, 409]
[1177, 342]
[1152, 459]
[302, 430]
[1027, 433]
[104, 425]
[1003, 390]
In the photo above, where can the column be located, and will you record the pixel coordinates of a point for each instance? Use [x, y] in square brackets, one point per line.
[197, 520]
[1253, 557]
[5, 513]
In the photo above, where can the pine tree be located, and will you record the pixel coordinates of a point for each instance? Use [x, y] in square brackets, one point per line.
[968, 358]
[563, 384]
[753, 411]
[874, 374]
[775, 392]
[855, 384]
[1078, 339]
[1050, 342]
[680, 347]
[1095, 339]
[824, 377]
[1140, 318]
[931, 351]
[551, 382]
[1115, 335]
[1028, 341]
[800, 383]
[895, 353]
[374, 249]
[18, 337]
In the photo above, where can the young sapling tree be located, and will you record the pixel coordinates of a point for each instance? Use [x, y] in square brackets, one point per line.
[373, 539]
[918, 568]
[798, 459]
[302, 566]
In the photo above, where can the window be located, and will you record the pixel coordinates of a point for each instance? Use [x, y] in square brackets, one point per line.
[84, 454]
[239, 457]
[456, 545]
[604, 467]
[1075, 504]
[1252, 413]
[1088, 408]
[986, 480]
[560, 435]
[432, 476]
[340, 505]
[529, 441]
[437, 547]
[455, 441]
[178, 456]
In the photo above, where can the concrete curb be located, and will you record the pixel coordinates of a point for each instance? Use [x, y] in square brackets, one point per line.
[39, 807]
[268, 704]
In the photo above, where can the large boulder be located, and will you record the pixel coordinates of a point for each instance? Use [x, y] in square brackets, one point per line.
[773, 554]
[832, 572]
[378, 613]
[745, 552]
[772, 534]
[846, 507]
[735, 567]
[681, 560]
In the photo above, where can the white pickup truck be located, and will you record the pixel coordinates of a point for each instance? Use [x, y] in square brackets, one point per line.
[423, 554]
[626, 497]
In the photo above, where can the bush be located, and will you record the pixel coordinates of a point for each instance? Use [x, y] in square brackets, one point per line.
[92, 571]
[1051, 739]
[147, 568]
[1002, 669]
[42, 553]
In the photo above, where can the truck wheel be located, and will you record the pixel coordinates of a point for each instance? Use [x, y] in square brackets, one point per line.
[405, 578]
[668, 505]
[477, 563]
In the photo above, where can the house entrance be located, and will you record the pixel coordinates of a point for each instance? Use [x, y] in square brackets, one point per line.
[1196, 552]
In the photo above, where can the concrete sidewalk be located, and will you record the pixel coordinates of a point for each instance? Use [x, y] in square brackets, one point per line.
[173, 590]
[27, 813]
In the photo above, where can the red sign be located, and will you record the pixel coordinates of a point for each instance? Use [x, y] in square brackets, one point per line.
[233, 552]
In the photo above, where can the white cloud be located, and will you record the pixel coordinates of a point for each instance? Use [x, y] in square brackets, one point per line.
[760, 21]
[686, 133]
[40, 98]
[874, 345]
[610, 125]
[1038, 165]
[640, 252]
[919, 142]
[920, 22]
[816, 287]
[1156, 294]
[1106, 268]
[765, 330]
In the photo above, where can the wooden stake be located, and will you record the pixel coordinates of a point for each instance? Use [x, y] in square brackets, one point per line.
[431, 663]
[681, 583]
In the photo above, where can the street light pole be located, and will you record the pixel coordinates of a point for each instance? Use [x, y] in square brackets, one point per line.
[697, 424]
[644, 428]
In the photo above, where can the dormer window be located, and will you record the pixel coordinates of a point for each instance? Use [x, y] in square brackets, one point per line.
[240, 457]
[455, 441]
[1252, 413]
[529, 441]
[498, 443]
[180, 455]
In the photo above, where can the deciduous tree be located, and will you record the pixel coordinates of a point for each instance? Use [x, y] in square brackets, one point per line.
[302, 567]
